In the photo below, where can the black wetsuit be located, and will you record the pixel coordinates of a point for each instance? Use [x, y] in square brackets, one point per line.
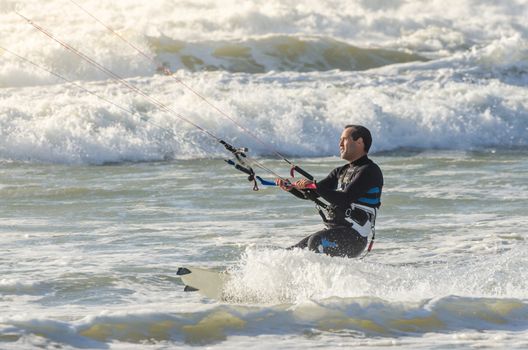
[358, 182]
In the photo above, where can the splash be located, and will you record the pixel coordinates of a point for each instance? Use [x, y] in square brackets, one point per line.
[280, 276]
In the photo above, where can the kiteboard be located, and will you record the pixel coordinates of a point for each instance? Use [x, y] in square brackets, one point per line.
[207, 282]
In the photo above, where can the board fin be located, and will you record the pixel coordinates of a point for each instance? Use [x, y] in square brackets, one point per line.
[207, 282]
[183, 271]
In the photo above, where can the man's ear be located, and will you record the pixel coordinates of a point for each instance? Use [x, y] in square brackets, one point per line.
[360, 141]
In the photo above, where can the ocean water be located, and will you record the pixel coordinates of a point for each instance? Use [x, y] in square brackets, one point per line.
[106, 190]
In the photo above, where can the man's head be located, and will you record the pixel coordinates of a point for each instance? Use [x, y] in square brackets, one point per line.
[355, 142]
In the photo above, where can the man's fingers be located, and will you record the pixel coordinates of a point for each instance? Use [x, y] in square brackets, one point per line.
[302, 184]
[284, 184]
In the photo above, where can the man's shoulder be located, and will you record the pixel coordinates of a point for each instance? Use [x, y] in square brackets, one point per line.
[370, 168]
[374, 172]
[373, 164]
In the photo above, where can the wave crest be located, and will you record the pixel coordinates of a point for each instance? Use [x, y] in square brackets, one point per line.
[274, 53]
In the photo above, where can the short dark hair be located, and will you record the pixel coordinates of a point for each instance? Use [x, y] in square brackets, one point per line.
[364, 133]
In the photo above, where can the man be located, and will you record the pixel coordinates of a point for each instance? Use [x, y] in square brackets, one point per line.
[353, 192]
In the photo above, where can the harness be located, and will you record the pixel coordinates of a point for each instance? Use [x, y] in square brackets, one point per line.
[361, 218]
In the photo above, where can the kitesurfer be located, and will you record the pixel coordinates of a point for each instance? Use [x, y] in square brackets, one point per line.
[353, 192]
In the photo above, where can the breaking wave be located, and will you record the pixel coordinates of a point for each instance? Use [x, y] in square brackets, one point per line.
[274, 53]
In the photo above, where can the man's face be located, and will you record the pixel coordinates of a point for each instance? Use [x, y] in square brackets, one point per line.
[348, 148]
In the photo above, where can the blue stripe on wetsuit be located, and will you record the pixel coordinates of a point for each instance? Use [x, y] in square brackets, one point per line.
[328, 244]
[371, 201]
[374, 190]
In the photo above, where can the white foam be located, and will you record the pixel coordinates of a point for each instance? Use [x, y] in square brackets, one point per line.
[294, 113]
[277, 36]
[470, 95]
[275, 276]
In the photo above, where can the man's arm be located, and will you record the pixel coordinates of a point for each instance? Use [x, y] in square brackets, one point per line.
[300, 190]
[365, 179]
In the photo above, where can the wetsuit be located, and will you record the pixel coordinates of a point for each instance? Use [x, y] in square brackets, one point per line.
[359, 182]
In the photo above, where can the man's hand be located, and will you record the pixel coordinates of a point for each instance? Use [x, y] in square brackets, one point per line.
[303, 184]
[284, 184]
